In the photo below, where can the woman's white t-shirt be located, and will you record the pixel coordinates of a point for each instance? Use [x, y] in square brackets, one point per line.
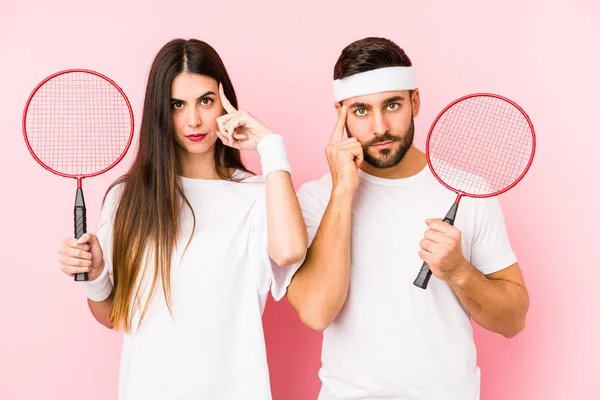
[212, 346]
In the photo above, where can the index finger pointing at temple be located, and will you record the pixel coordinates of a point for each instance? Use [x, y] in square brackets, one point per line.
[338, 131]
[224, 101]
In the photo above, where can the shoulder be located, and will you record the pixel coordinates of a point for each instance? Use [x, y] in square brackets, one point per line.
[246, 177]
[317, 188]
[113, 195]
[248, 184]
[247, 189]
[314, 196]
[110, 202]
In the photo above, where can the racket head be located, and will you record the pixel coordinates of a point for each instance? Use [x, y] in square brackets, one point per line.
[78, 123]
[484, 119]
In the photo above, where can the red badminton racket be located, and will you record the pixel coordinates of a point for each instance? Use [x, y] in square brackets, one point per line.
[77, 124]
[480, 145]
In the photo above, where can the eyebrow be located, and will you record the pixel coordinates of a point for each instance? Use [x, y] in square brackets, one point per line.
[174, 100]
[368, 106]
[393, 99]
[359, 105]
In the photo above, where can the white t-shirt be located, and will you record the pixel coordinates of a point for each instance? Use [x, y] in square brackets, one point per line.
[393, 340]
[212, 347]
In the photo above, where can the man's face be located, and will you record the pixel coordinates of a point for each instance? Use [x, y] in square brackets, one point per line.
[384, 124]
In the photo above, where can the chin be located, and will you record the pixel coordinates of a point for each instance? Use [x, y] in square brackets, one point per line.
[199, 152]
[383, 162]
[206, 146]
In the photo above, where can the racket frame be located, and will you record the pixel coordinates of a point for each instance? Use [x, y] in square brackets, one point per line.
[424, 275]
[79, 210]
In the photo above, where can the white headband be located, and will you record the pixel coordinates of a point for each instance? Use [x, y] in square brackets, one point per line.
[374, 81]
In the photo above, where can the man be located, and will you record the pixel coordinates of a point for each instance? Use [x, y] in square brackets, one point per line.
[372, 222]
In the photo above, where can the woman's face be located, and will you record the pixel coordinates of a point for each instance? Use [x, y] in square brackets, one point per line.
[195, 106]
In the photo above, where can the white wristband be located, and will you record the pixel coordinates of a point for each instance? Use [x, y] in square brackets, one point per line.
[273, 156]
[100, 288]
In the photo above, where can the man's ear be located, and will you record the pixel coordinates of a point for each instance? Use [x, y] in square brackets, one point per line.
[415, 100]
[338, 107]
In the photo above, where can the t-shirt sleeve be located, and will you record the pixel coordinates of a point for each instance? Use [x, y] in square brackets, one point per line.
[312, 212]
[490, 249]
[104, 232]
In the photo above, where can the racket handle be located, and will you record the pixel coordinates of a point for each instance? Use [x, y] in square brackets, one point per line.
[80, 225]
[423, 278]
[425, 273]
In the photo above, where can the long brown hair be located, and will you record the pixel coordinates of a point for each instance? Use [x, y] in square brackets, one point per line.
[147, 219]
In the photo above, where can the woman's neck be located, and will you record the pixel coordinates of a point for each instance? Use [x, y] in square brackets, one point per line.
[198, 166]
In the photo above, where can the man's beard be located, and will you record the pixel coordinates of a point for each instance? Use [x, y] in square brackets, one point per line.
[389, 158]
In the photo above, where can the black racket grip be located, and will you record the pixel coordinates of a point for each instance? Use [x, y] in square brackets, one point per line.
[423, 278]
[425, 273]
[80, 226]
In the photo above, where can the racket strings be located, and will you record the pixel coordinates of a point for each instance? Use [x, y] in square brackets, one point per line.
[481, 145]
[78, 123]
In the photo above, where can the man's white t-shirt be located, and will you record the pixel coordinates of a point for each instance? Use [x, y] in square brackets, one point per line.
[393, 340]
[212, 347]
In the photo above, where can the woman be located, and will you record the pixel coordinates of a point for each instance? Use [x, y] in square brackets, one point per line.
[190, 241]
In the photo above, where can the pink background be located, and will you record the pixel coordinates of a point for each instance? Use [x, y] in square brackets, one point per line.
[542, 54]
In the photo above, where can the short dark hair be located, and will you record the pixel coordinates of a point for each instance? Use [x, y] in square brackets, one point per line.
[368, 54]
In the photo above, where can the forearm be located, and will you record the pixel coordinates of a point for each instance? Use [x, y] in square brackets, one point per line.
[287, 237]
[319, 288]
[101, 310]
[100, 293]
[497, 305]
